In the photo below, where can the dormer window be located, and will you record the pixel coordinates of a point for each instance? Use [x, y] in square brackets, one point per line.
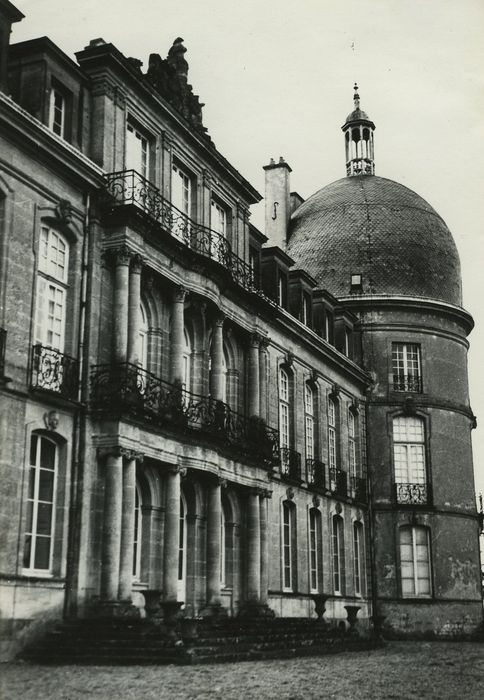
[356, 284]
[306, 316]
[57, 112]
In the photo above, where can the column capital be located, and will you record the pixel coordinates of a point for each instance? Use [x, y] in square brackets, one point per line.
[180, 294]
[265, 341]
[219, 318]
[137, 263]
[176, 469]
[167, 139]
[255, 339]
[119, 451]
[122, 255]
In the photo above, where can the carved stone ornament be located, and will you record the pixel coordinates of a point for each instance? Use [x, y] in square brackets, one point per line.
[289, 359]
[290, 493]
[335, 392]
[179, 294]
[359, 515]
[137, 263]
[313, 376]
[338, 508]
[51, 420]
[119, 451]
[355, 408]
[316, 501]
[64, 211]
[122, 255]
[409, 406]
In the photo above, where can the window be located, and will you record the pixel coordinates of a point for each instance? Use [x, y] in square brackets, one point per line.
[284, 408]
[309, 420]
[143, 338]
[137, 535]
[181, 190]
[332, 439]
[39, 532]
[57, 112]
[406, 367]
[409, 459]
[281, 289]
[352, 445]
[315, 561]
[288, 545]
[187, 357]
[306, 315]
[182, 549]
[218, 219]
[358, 557]
[137, 151]
[222, 549]
[50, 313]
[338, 554]
[254, 265]
[415, 562]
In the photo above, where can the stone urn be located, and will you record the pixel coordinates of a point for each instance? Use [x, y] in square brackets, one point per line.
[352, 612]
[152, 604]
[319, 600]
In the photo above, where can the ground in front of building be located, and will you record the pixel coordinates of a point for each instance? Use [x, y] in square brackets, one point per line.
[400, 671]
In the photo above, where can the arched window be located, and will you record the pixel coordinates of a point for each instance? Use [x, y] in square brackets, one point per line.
[289, 546]
[309, 421]
[39, 532]
[358, 554]
[409, 459]
[182, 549]
[315, 558]
[332, 442]
[137, 535]
[415, 562]
[143, 338]
[338, 554]
[50, 311]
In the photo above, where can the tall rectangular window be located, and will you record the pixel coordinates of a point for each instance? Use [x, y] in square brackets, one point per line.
[409, 450]
[309, 421]
[40, 505]
[358, 556]
[314, 549]
[415, 562]
[338, 554]
[306, 309]
[332, 434]
[137, 151]
[284, 429]
[181, 190]
[218, 218]
[50, 311]
[57, 112]
[352, 444]
[406, 367]
[288, 544]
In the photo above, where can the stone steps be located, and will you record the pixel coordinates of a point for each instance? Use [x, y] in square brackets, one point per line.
[139, 642]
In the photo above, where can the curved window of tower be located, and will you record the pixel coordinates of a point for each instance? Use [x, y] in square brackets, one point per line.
[415, 562]
[358, 557]
[315, 560]
[143, 338]
[288, 545]
[406, 367]
[409, 460]
[284, 419]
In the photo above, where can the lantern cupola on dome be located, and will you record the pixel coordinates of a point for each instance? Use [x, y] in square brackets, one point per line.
[359, 143]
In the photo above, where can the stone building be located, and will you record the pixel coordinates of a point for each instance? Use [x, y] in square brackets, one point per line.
[236, 420]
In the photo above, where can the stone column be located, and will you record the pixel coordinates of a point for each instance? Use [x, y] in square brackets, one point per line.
[127, 527]
[254, 384]
[216, 356]
[171, 544]
[121, 304]
[177, 331]
[264, 548]
[214, 541]
[134, 319]
[263, 355]
[111, 545]
[253, 547]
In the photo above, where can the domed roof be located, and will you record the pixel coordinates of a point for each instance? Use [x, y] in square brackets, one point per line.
[357, 115]
[380, 229]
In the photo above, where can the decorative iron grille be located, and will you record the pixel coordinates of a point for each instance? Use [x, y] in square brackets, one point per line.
[290, 461]
[315, 473]
[338, 480]
[407, 382]
[124, 388]
[54, 371]
[3, 345]
[413, 494]
[128, 187]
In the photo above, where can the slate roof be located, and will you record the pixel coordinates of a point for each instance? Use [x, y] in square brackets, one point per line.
[380, 229]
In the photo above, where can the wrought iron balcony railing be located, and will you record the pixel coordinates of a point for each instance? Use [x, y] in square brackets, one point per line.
[315, 473]
[126, 389]
[338, 481]
[358, 489]
[290, 461]
[407, 382]
[3, 345]
[55, 372]
[413, 494]
[128, 187]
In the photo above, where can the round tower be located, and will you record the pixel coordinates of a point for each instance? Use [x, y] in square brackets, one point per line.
[414, 345]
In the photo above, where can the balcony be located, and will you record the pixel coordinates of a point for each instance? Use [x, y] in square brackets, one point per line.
[129, 188]
[55, 372]
[407, 382]
[338, 481]
[290, 462]
[358, 489]
[315, 475]
[413, 494]
[123, 389]
[3, 345]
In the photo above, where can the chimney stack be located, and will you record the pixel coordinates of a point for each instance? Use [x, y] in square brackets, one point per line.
[8, 15]
[278, 205]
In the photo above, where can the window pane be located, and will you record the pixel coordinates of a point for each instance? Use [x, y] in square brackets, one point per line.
[44, 519]
[27, 551]
[47, 454]
[46, 485]
[42, 553]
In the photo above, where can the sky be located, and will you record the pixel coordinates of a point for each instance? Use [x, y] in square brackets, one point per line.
[277, 79]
